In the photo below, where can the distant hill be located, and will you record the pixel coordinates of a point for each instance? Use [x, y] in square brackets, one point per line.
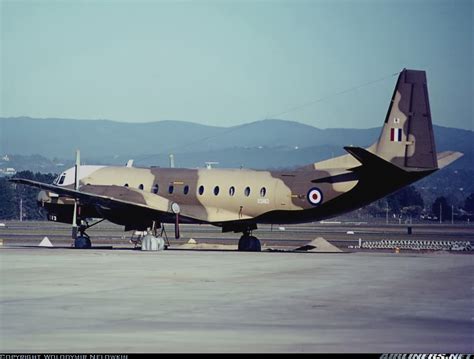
[261, 144]
[52, 137]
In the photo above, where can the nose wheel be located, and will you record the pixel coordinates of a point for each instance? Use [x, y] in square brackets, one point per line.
[83, 241]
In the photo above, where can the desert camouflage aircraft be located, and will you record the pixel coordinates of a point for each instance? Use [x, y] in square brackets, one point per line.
[238, 199]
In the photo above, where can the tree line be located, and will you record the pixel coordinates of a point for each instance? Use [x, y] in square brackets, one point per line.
[16, 199]
[408, 203]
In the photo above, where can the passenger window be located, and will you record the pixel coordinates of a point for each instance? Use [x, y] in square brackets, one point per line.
[247, 191]
[155, 189]
[216, 190]
[186, 189]
[201, 190]
[231, 191]
[125, 185]
[170, 189]
[140, 187]
[263, 192]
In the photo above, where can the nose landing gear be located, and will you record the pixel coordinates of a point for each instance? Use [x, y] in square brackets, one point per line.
[83, 241]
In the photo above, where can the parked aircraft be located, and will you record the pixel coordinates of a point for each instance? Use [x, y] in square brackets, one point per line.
[239, 199]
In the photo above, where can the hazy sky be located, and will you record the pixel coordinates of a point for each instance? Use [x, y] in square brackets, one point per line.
[231, 62]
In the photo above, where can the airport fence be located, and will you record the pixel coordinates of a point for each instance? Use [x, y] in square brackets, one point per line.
[418, 245]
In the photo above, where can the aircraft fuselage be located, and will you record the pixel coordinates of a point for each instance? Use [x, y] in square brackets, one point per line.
[230, 198]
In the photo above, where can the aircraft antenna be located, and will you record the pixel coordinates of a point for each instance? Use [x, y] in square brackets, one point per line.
[292, 109]
[324, 98]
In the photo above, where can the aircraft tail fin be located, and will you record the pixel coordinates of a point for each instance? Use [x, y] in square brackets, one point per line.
[407, 139]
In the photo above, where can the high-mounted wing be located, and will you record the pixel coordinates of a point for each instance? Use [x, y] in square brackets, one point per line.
[107, 196]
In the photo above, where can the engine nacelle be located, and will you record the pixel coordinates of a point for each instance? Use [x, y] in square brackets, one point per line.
[60, 209]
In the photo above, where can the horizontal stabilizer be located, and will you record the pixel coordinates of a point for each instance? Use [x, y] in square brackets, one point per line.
[448, 157]
[371, 161]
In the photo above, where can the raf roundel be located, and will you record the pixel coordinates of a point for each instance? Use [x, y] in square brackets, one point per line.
[315, 196]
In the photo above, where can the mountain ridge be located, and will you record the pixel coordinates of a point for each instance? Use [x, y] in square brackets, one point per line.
[106, 139]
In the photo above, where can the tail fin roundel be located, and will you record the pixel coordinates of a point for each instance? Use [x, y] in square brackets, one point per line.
[407, 139]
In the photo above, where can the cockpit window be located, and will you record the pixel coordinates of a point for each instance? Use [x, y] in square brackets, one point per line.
[61, 180]
[56, 180]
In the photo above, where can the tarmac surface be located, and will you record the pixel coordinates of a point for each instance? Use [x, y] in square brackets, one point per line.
[342, 234]
[124, 300]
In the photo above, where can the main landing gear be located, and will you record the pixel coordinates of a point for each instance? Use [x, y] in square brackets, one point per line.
[154, 242]
[249, 243]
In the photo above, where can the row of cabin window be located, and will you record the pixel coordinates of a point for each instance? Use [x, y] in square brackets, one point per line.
[155, 188]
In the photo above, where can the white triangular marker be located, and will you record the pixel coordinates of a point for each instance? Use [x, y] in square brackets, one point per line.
[45, 243]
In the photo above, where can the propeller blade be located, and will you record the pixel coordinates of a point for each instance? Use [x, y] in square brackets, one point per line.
[74, 220]
[175, 208]
[76, 187]
[76, 169]
[176, 227]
